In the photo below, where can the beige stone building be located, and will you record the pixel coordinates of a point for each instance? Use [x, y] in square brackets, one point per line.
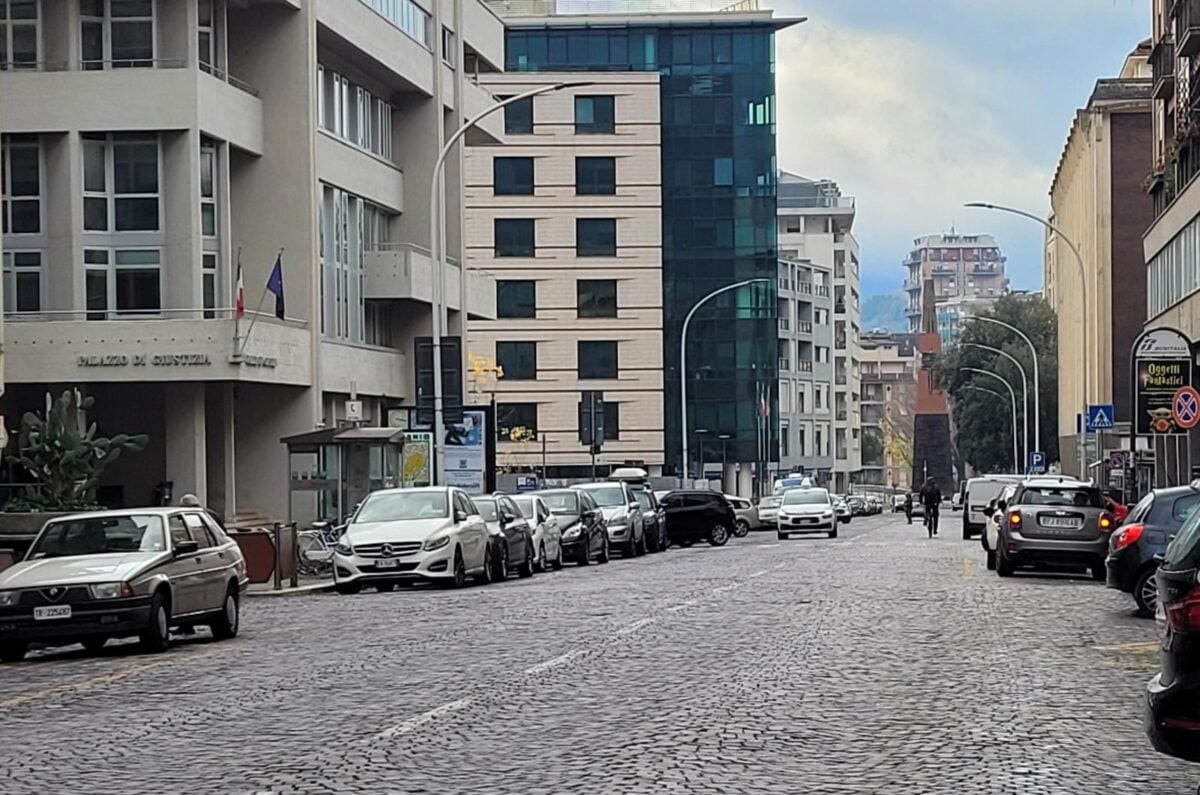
[889, 401]
[566, 216]
[151, 145]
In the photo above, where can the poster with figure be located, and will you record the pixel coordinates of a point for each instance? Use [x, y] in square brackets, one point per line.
[415, 460]
[1162, 366]
[465, 460]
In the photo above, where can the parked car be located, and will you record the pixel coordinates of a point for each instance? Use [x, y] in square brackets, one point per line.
[654, 521]
[956, 501]
[977, 493]
[858, 505]
[91, 577]
[1138, 545]
[511, 536]
[1172, 721]
[875, 503]
[996, 511]
[584, 534]
[918, 507]
[622, 514]
[768, 511]
[897, 503]
[1055, 521]
[547, 538]
[696, 515]
[807, 510]
[841, 508]
[434, 534]
[747, 515]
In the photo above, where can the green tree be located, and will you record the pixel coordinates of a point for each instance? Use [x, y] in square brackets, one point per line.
[872, 447]
[982, 423]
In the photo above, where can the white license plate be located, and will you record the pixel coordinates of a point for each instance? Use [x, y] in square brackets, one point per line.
[386, 563]
[50, 613]
[1059, 521]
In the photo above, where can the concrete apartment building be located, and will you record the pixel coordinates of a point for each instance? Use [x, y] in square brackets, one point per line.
[806, 376]
[889, 400]
[815, 225]
[717, 167]
[968, 276]
[1099, 201]
[152, 144]
[566, 215]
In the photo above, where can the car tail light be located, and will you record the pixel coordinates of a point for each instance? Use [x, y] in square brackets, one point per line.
[1184, 615]
[1126, 535]
[1106, 523]
[1014, 519]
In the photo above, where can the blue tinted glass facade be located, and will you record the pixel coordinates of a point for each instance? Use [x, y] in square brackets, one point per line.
[719, 202]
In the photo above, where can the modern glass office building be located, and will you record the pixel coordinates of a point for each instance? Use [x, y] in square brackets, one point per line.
[718, 202]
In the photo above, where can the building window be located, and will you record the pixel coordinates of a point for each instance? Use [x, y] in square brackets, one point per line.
[512, 176]
[516, 421]
[19, 34]
[517, 360]
[117, 33]
[518, 117]
[21, 186]
[22, 281]
[208, 189]
[516, 298]
[597, 297]
[407, 16]
[611, 415]
[208, 262]
[594, 115]
[514, 237]
[448, 47]
[595, 176]
[379, 324]
[785, 436]
[596, 237]
[207, 38]
[349, 227]
[122, 281]
[723, 176]
[350, 112]
[597, 359]
[120, 183]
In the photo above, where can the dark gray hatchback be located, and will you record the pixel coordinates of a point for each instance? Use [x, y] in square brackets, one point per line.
[1055, 521]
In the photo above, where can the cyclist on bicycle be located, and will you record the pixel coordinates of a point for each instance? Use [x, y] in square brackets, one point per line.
[931, 498]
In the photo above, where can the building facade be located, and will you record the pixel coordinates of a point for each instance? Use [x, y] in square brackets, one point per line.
[1099, 202]
[717, 113]
[806, 418]
[816, 225]
[164, 146]
[968, 276]
[889, 401]
[566, 215]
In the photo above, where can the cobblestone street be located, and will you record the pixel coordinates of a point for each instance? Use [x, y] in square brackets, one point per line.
[880, 662]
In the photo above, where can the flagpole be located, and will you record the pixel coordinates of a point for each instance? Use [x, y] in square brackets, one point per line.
[258, 309]
[237, 318]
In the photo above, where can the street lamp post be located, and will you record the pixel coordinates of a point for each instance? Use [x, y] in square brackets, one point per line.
[1083, 301]
[724, 437]
[437, 221]
[1024, 389]
[997, 394]
[1037, 388]
[683, 361]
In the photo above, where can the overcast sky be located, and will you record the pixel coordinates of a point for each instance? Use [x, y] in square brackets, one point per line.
[916, 106]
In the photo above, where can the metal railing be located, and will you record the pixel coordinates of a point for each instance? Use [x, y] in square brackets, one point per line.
[89, 65]
[34, 66]
[108, 315]
[1162, 61]
[804, 327]
[804, 367]
[785, 365]
[224, 76]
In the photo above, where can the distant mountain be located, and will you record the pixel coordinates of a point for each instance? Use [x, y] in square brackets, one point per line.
[885, 311]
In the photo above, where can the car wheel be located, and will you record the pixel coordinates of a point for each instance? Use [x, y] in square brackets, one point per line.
[500, 574]
[742, 528]
[966, 533]
[558, 561]
[459, 577]
[225, 624]
[348, 588]
[630, 549]
[782, 536]
[605, 553]
[1145, 593]
[585, 556]
[718, 535]
[156, 637]
[1099, 572]
[526, 568]
[95, 643]
[485, 577]
[991, 560]
[640, 547]
[542, 564]
[1004, 567]
[833, 533]
[13, 651]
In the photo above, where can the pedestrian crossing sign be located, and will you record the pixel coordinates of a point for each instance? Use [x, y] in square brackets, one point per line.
[1100, 417]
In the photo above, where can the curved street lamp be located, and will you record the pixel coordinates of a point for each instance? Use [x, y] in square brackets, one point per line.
[1037, 388]
[1024, 387]
[1013, 395]
[997, 394]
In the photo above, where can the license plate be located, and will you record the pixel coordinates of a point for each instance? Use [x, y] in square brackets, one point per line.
[1061, 521]
[386, 563]
[50, 613]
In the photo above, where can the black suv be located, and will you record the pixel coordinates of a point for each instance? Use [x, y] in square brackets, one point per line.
[695, 515]
[1138, 545]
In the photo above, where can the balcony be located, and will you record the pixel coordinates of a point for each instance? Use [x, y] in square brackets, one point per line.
[804, 287]
[785, 324]
[397, 271]
[840, 379]
[804, 327]
[985, 269]
[1187, 26]
[1162, 59]
[912, 311]
[804, 367]
[785, 364]
[821, 290]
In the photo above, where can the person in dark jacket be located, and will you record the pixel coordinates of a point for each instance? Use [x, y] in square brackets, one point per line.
[908, 506]
[931, 498]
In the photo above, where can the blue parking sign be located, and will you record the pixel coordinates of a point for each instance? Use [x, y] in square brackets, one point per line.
[1037, 462]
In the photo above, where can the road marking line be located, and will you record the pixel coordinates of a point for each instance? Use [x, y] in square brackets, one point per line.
[683, 606]
[767, 546]
[1149, 646]
[724, 588]
[414, 723]
[968, 568]
[554, 662]
[635, 626]
[758, 574]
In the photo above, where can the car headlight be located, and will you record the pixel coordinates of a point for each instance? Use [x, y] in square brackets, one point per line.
[436, 543]
[573, 530]
[9, 598]
[343, 546]
[110, 590]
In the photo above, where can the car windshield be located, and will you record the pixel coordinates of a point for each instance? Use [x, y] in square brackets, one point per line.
[400, 506]
[100, 535]
[643, 500]
[770, 502]
[606, 496]
[526, 506]
[562, 503]
[487, 508]
[806, 497]
[1063, 496]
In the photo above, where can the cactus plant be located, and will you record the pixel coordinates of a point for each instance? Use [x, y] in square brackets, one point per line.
[65, 461]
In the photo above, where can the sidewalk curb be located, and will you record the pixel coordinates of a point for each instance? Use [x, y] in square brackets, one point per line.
[303, 590]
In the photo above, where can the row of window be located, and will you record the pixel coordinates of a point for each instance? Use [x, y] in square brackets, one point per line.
[1174, 272]
[510, 416]
[349, 226]
[353, 114]
[597, 359]
[594, 176]
[517, 298]
[636, 49]
[594, 237]
[407, 16]
[595, 114]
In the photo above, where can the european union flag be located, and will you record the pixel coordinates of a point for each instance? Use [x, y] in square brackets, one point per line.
[275, 285]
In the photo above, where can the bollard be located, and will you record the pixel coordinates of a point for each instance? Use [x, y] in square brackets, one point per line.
[294, 546]
[276, 536]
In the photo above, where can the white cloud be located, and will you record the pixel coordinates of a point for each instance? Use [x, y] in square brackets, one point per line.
[906, 127]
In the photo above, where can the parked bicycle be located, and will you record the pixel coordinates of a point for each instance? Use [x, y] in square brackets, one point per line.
[314, 549]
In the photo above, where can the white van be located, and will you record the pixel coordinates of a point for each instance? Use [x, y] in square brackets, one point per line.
[978, 493]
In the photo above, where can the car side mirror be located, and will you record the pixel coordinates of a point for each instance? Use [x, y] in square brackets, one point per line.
[460, 516]
[186, 548]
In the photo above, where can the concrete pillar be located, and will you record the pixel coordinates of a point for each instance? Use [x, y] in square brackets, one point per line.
[745, 480]
[185, 440]
[729, 477]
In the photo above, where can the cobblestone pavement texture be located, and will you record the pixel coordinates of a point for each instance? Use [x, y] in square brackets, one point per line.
[880, 662]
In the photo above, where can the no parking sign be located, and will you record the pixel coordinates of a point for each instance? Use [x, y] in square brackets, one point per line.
[1185, 407]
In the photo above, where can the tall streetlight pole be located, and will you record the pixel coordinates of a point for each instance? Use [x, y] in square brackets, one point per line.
[437, 222]
[997, 394]
[1083, 300]
[1024, 387]
[683, 361]
[1037, 386]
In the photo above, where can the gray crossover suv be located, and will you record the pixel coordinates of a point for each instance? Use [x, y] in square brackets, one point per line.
[1054, 521]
